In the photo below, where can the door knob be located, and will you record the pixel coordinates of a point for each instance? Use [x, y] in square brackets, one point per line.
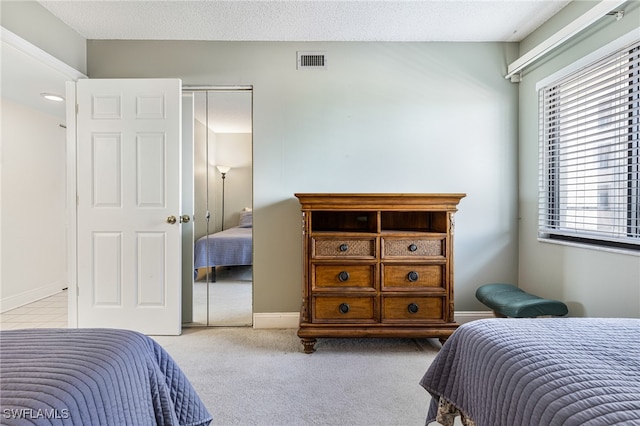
[184, 218]
[171, 220]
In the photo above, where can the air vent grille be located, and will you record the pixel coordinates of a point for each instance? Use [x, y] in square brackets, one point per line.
[312, 60]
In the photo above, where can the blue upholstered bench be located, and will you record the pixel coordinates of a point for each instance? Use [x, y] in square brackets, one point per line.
[507, 300]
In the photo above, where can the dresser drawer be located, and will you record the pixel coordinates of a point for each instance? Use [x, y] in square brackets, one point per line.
[413, 247]
[361, 248]
[412, 276]
[412, 308]
[343, 309]
[342, 276]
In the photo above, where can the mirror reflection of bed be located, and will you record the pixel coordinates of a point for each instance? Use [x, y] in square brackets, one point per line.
[223, 225]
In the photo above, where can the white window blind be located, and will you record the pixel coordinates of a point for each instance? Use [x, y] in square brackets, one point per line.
[589, 153]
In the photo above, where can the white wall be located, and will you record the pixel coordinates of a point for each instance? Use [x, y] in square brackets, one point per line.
[33, 206]
[384, 117]
[34, 23]
[32, 169]
[593, 283]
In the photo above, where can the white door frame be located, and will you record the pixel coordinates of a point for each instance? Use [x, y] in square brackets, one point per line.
[72, 201]
[187, 205]
[188, 92]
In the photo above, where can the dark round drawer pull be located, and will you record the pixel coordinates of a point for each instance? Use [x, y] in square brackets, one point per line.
[412, 276]
[413, 247]
[344, 247]
[344, 308]
[343, 276]
[412, 308]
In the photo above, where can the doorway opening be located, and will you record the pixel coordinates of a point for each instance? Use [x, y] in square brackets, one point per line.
[222, 284]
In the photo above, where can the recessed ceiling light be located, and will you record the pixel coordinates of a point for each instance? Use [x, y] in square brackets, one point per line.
[52, 97]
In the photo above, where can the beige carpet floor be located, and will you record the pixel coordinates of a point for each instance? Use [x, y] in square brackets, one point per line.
[249, 376]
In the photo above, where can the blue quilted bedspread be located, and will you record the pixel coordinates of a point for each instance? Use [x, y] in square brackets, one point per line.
[231, 247]
[542, 372]
[92, 377]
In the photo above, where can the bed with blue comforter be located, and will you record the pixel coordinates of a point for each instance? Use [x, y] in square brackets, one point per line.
[92, 377]
[541, 371]
[231, 247]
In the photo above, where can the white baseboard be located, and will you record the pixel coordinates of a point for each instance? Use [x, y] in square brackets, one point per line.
[276, 320]
[462, 317]
[292, 319]
[21, 299]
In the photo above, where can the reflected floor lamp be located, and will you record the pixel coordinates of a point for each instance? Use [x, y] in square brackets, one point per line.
[223, 171]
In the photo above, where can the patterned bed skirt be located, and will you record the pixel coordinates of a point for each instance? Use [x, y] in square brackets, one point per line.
[447, 412]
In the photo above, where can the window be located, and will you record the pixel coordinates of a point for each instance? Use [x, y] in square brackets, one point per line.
[590, 154]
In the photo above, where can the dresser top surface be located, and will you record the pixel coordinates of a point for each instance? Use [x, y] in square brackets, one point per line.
[379, 201]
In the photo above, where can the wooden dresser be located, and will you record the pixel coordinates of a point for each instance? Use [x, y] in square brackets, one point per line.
[377, 265]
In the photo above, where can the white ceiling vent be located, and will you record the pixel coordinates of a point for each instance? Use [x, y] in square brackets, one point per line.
[312, 61]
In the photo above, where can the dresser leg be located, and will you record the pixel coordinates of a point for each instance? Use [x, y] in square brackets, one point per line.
[308, 345]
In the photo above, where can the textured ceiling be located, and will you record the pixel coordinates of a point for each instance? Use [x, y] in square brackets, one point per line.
[309, 20]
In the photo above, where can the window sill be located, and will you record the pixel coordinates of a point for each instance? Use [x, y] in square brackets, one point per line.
[628, 252]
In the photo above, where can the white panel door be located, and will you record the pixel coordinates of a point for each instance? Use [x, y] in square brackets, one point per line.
[128, 187]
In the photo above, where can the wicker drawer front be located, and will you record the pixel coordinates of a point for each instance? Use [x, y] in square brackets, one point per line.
[340, 309]
[341, 276]
[342, 247]
[413, 276]
[412, 308]
[408, 247]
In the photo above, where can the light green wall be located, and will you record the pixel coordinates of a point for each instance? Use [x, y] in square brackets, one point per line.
[387, 117]
[384, 117]
[594, 283]
[37, 25]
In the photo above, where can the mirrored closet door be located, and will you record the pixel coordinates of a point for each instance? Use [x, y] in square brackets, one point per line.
[223, 225]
